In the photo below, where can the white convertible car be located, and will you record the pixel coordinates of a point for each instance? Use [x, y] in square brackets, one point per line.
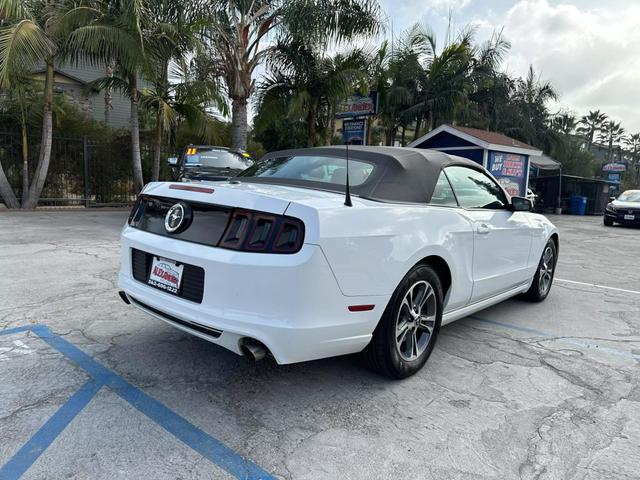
[282, 260]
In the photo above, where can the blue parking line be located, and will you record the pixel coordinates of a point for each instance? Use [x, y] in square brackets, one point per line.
[9, 331]
[567, 340]
[38, 443]
[203, 443]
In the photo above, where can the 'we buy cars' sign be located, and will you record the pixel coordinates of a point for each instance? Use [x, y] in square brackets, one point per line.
[511, 172]
[358, 106]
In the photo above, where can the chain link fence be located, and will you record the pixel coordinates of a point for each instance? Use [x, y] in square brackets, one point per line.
[81, 171]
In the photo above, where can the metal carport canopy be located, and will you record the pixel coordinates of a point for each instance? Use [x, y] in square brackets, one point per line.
[544, 162]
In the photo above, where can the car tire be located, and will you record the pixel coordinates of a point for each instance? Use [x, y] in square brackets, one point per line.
[543, 279]
[405, 336]
[607, 222]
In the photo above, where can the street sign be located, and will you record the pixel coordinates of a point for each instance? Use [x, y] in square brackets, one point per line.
[354, 132]
[358, 106]
[614, 177]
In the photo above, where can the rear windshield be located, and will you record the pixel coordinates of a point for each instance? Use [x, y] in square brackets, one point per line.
[630, 196]
[329, 170]
[216, 158]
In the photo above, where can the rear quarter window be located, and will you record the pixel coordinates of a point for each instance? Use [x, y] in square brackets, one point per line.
[329, 170]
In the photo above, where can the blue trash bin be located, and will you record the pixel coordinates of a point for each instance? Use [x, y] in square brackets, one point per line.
[578, 205]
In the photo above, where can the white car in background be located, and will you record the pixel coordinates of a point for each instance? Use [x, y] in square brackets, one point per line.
[281, 260]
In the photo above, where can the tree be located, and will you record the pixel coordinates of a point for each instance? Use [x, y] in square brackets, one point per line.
[489, 89]
[633, 144]
[27, 37]
[378, 75]
[19, 103]
[531, 122]
[170, 38]
[274, 127]
[171, 102]
[236, 39]
[564, 123]
[611, 133]
[427, 84]
[401, 102]
[112, 33]
[312, 83]
[590, 124]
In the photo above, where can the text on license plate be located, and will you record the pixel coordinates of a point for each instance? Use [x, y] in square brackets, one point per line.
[629, 217]
[165, 274]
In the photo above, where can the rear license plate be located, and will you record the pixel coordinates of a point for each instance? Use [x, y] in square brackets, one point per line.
[165, 274]
[629, 217]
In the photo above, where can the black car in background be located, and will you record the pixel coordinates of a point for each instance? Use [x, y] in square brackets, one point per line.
[206, 162]
[625, 209]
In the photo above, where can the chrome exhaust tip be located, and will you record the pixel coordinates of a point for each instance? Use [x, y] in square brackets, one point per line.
[124, 297]
[253, 349]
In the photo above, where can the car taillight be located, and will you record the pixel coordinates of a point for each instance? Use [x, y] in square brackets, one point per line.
[136, 211]
[250, 231]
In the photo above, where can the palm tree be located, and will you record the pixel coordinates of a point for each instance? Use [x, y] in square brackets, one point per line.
[237, 31]
[378, 74]
[435, 82]
[489, 88]
[170, 38]
[398, 76]
[113, 33]
[564, 123]
[532, 118]
[590, 124]
[633, 144]
[27, 38]
[20, 102]
[611, 133]
[186, 100]
[313, 83]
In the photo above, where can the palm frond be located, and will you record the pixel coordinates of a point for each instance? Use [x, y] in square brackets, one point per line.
[97, 42]
[23, 45]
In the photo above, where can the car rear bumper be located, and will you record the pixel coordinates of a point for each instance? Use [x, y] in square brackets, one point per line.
[290, 303]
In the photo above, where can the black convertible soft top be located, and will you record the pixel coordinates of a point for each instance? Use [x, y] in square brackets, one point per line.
[401, 174]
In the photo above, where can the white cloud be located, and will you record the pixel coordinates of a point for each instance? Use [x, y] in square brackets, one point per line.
[446, 4]
[592, 56]
[588, 49]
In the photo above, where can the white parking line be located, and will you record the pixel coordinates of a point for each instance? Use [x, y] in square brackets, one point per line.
[598, 286]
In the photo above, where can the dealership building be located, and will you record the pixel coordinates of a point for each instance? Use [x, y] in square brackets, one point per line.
[507, 159]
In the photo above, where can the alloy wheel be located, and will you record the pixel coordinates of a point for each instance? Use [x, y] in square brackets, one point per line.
[546, 269]
[416, 320]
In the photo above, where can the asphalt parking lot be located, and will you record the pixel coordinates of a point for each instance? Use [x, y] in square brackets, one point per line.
[91, 388]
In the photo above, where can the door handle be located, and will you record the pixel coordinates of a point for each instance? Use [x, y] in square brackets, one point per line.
[484, 229]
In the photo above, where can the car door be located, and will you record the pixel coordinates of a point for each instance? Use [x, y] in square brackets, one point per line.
[502, 238]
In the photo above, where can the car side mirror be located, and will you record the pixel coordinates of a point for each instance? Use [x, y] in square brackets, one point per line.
[172, 161]
[611, 199]
[521, 204]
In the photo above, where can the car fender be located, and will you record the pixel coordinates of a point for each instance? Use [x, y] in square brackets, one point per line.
[542, 231]
[371, 246]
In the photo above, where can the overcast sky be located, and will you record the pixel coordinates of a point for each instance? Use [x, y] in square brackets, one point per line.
[588, 49]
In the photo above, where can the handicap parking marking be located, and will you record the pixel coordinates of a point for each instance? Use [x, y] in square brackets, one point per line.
[19, 347]
[568, 340]
[195, 438]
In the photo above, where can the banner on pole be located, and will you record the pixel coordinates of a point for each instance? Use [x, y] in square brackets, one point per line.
[354, 132]
[358, 106]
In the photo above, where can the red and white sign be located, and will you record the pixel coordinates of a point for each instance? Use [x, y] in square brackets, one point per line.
[614, 167]
[165, 275]
[358, 106]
